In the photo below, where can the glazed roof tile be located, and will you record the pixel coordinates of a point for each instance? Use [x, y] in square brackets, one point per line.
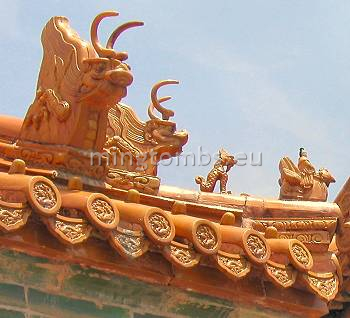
[132, 228]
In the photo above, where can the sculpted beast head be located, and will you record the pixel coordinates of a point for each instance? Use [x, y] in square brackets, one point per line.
[160, 131]
[227, 159]
[78, 83]
[105, 77]
[326, 176]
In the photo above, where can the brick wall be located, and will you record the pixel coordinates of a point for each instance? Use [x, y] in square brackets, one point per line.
[34, 287]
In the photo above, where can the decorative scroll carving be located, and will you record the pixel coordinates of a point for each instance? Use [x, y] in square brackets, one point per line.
[303, 182]
[44, 157]
[324, 284]
[47, 104]
[282, 275]
[65, 159]
[233, 265]
[218, 173]
[206, 236]
[13, 215]
[181, 254]
[160, 225]
[295, 224]
[256, 246]
[131, 180]
[81, 165]
[44, 195]
[309, 231]
[129, 243]
[317, 237]
[103, 211]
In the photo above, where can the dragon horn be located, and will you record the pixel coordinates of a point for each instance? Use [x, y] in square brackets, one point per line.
[114, 36]
[100, 50]
[166, 113]
[151, 107]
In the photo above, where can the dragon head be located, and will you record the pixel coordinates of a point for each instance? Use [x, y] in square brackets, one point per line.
[227, 159]
[77, 85]
[161, 132]
[106, 77]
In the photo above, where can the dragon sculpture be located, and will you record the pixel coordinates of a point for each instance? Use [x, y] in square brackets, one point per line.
[78, 83]
[217, 173]
[303, 182]
[144, 143]
[77, 114]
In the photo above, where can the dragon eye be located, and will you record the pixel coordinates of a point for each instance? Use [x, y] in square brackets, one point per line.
[100, 67]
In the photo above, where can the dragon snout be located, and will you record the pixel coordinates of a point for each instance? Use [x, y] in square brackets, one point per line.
[120, 77]
[331, 179]
[182, 135]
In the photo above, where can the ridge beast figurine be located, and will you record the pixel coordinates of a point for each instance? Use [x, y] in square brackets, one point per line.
[303, 182]
[217, 173]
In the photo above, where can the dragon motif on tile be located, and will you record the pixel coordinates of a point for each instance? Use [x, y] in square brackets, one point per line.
[236, 266]
[206, 236]
[256, 246]
[160, 225]
[44, 195]
[129, 243]
[13, 215]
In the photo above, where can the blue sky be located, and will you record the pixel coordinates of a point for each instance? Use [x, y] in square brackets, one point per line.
[256, 76]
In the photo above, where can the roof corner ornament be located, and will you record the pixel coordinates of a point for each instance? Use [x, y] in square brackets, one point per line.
[303, 182]
[148, 142]
[78, 83]
[218, 173]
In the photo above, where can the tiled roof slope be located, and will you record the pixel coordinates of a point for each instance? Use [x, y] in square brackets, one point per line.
[132, 228]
